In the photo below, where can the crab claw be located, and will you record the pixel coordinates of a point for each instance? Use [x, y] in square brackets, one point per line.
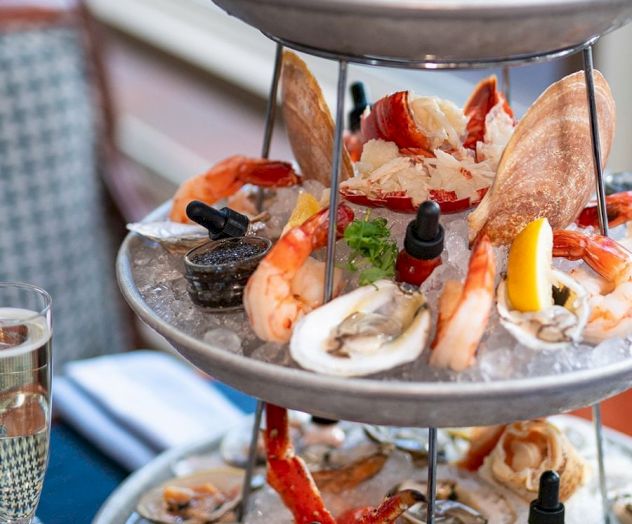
[484, 97]
[387, 512]
[391, 119]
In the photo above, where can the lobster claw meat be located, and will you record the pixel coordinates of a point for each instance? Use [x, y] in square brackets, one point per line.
[484, 97]
[391, 119]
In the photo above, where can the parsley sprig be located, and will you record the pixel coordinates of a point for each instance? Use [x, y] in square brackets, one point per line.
[373, 251]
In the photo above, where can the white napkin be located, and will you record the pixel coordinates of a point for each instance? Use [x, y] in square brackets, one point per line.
[152, 398]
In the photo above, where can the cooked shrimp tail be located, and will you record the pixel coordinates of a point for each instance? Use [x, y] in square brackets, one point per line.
[464, 311]
[227, 177]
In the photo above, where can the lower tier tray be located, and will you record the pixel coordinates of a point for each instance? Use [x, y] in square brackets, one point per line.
[523, 385]
[120, 507]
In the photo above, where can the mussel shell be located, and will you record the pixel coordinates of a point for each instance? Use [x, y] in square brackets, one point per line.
[517, 323]
[228, 480]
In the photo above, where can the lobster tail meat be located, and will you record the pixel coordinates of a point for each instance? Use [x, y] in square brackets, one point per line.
[391, 119]
[480, 103]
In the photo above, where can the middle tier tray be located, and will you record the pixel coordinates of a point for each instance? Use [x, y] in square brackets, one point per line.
[411, 395]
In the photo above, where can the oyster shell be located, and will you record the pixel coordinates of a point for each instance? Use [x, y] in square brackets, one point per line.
[213, 494]
[528, 449]
[173, 236]
[622, 509]
[554, 327]
[310, 127]
[462, 498]
[373, 328]
[547, 167]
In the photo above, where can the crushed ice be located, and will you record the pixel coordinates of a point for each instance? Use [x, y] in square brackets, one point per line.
[158, 276]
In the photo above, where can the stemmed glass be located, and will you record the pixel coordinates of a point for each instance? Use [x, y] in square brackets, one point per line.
[25, 400]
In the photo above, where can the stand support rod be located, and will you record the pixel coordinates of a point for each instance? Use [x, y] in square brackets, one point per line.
[335, 181]
[252, 461]
[506, 83]
[603, 227]
[270, 116]
[431, 491]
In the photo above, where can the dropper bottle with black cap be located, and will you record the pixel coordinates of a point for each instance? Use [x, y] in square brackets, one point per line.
[221, 223]
[423, 246]
[547, 508]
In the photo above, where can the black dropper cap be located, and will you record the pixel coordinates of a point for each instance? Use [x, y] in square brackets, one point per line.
[547, 509]
[221, 223]
[360, 103]
[424, 235]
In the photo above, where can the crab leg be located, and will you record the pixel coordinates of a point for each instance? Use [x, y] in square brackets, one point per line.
[287, 473]
[387, 512]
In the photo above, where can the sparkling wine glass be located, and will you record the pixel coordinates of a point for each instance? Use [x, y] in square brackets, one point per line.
[25, 378]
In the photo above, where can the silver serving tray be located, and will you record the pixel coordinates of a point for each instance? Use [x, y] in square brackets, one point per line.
[386, 402]
[452, 32]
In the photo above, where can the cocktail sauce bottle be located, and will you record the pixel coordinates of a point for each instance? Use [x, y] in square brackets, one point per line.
[423, 245]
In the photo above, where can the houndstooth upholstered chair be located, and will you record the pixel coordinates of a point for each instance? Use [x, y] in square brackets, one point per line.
[53, 221]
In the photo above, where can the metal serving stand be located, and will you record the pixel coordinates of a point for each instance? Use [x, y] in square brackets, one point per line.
[412, 34]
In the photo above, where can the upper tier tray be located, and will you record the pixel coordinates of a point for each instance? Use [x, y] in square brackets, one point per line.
[523, 385]
[442, 32]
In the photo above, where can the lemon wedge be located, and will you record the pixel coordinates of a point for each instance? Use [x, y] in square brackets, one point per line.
[306, 206]
[529, 284]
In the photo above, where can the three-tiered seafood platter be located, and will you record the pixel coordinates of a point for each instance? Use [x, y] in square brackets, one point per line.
[525, 312]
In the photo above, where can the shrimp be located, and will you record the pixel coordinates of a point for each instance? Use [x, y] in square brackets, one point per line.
[226, 178]
[610, 290]
[619, 211]
[287, 284]
[464, 311]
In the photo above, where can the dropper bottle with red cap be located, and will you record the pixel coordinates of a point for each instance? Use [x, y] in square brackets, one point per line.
[423, 246]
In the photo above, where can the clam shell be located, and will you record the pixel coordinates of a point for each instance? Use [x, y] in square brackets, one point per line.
[228, 480]
[309, 123]
[547, 167]
[307, 345]
[533, 329]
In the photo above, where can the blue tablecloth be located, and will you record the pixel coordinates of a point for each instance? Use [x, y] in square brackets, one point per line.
[80, 478]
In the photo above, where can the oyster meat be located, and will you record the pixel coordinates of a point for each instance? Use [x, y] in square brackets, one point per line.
[547, 167]
[371, 329]
[554, 327]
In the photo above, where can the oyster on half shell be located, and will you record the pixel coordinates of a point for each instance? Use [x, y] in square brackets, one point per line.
[462, 498]
[371, 329]
[554, 327]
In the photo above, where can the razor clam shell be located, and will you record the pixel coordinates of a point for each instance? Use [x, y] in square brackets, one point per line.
[518, 323]
[151, 506]
[173, 236]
